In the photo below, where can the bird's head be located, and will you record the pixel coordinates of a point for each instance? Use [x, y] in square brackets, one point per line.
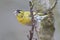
[18, 12]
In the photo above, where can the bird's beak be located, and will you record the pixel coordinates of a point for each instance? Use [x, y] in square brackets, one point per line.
[15, 13]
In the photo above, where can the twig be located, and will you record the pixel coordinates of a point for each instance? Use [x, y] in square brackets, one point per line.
[32, 19]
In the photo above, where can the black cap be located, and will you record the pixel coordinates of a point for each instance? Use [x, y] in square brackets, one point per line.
[18, 11]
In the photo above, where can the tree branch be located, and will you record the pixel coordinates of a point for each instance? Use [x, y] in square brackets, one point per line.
[32, 19]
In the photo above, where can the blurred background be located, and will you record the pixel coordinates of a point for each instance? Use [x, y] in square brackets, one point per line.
[10, 29]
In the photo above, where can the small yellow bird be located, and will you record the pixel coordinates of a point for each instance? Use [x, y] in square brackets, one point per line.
[24, 17]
